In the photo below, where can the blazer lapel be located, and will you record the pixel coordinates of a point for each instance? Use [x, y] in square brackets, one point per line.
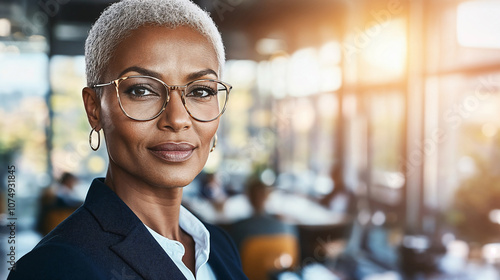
[141, 252]
[218, 266]
[138, 248]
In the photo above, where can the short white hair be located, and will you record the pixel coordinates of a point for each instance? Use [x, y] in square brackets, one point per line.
[119, 19]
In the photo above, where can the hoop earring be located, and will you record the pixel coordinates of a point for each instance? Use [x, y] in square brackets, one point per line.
[98, 139]
[214, 144]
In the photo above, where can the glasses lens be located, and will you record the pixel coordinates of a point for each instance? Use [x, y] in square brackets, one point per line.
[141, 98]
[206, 100]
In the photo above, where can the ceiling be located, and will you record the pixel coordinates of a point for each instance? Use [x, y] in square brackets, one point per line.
[243, 23]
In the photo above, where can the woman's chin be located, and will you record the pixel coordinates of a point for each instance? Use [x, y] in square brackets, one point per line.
[172, 183]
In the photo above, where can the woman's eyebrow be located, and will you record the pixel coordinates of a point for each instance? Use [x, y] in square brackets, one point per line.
[146, 72]
[199, 74]
[142, 71]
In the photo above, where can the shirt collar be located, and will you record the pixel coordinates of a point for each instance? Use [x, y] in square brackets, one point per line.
[194, 227]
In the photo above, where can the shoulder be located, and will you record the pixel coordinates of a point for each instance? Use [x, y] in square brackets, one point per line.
[55, 261]
[77, 228]
[217, 234]
[221, 242]
[67, 252]
[262, 224]
[224, 257]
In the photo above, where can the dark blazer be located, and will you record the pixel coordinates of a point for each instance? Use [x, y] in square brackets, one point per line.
[104, 239]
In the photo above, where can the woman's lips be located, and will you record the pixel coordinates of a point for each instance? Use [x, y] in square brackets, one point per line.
[173, 152]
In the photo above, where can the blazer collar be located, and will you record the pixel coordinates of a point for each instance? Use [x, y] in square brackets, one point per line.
[219, 267]
[138, 248]
[109, 210]
[146, 256]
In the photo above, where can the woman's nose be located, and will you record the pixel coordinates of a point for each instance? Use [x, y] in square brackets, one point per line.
[175, 116]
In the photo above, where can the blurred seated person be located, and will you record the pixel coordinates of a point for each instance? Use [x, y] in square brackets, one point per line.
[58, 202]
[211, 187]
[213, 191]
[66, 195]
[340, 199]
[266, 244]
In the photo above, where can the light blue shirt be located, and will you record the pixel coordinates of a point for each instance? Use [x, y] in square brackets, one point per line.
[175, 250]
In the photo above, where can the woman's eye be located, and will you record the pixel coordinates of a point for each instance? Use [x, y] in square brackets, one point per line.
[140, 91]
[202, 92]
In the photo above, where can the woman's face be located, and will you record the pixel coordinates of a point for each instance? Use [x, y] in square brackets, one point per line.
[171, 150]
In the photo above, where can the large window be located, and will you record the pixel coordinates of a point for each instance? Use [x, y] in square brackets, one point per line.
[462, 82]
[23, 121]
[71, 151]
[291, 124]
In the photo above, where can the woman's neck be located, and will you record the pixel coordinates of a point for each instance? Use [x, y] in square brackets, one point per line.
[158, 208]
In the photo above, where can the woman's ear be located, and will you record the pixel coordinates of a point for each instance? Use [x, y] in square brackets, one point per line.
[92, 106]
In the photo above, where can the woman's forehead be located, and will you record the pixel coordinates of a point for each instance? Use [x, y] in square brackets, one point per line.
[180, 51]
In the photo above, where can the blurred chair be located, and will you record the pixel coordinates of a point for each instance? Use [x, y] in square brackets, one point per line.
[57, 202]
[264, 255]
[54, 217]
[267, 245]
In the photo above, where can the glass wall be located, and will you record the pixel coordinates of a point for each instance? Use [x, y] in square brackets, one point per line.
[463, 83]
[287, 110]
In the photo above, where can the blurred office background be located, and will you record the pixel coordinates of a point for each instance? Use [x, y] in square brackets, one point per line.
[391, 105]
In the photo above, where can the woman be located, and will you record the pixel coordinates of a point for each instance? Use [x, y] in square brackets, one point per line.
[152, 70]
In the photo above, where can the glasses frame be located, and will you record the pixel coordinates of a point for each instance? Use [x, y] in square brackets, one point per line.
[182, 88]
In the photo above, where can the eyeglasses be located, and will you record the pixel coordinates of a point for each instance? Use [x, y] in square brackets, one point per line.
[144, 98]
